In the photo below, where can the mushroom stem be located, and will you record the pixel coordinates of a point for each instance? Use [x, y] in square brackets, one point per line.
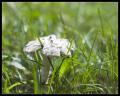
[45, 69]
[50, 62]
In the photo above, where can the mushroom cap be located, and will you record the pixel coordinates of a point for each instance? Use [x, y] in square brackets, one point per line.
[32, 46]
[52, 46]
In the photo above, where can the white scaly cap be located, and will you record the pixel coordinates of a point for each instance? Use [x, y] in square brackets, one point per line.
[51, 46]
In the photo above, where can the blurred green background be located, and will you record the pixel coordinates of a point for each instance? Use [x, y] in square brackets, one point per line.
[92, 26]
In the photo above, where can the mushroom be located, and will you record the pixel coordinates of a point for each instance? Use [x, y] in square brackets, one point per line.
[50, 47]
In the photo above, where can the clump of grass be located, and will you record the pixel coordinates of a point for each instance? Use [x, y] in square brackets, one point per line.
[92, 69]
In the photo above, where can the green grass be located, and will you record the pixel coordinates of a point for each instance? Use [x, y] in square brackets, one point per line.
[93, 67]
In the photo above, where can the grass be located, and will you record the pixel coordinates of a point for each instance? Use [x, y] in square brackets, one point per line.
[93, 67]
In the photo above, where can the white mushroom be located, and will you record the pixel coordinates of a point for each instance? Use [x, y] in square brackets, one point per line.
[50, 47]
